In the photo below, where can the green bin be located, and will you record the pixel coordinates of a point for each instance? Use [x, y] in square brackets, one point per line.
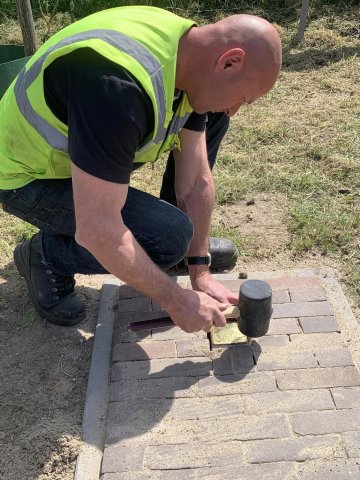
[12, 61]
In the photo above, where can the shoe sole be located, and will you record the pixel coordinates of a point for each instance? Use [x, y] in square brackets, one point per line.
[23, 272]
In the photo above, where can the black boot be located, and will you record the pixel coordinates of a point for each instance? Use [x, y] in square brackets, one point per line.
[223, 252]
[53, 294]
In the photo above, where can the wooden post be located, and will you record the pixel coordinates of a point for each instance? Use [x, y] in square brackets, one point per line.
[303, 18]
[27, 26]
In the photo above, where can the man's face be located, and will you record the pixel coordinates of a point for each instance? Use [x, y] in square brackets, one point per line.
[225, 95]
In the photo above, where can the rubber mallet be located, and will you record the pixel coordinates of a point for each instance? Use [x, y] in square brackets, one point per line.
[253, 311]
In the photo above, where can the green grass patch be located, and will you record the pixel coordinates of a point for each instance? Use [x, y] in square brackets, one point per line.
[13, 231]
[12, 407]
[28, 318]
[329, 226]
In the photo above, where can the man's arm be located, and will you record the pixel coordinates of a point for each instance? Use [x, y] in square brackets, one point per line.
[194, 187]
[100, 229]
[195, 193]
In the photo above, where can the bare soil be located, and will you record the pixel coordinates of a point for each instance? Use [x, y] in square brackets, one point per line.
[44, 368]
[43, 378]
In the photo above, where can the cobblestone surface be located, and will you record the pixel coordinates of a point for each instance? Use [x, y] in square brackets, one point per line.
[286, 407]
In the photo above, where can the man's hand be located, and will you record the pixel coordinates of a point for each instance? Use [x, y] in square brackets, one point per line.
[205, 283]
[198, 311]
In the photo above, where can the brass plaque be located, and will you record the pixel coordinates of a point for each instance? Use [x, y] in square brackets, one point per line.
[227, 335]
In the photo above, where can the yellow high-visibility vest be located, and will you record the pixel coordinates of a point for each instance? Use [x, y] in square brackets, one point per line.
[143, 40]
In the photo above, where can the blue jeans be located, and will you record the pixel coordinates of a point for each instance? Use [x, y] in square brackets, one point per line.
[162, 230]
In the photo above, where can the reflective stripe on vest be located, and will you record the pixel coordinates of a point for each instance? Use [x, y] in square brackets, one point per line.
[117, 39]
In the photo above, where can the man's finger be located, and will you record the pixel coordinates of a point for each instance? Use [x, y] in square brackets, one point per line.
[223, 306]
[208, 327]
[220, 321]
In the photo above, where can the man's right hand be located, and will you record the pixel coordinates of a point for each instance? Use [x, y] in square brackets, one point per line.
[197, 311]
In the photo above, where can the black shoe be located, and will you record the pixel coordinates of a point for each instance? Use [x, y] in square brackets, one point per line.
[223, 252]
[53, 294]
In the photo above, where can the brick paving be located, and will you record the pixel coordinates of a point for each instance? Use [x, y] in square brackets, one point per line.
[286, 407]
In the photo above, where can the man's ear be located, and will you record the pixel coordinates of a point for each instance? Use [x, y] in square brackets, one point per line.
[232, 59]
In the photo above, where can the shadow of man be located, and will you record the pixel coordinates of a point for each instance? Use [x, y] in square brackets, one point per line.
[153, 400]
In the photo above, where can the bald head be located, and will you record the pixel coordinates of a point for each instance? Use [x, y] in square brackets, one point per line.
[259, 40]
[238, 57]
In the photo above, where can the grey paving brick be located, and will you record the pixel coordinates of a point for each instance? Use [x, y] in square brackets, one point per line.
[174, 333]
[137, 304]
[316, 341]
[287, 401]
[177, 387]
[224, 429]
[233, 285]
[319, 324]
[339, 469]
[151, 411]
[223, 362]
[280, 296]
[334, 358]
[235, 384]
[243, 359]
[285, 358]
[119, 459]
[231, 360]
[346, 397]
[243, 428]
[302, 309]
[122, 335]
[316, 294]
[162, 367]
[328, 421]
[139, 410]
[206, 407]
[269, 471]
[285, 283]
[195, 347]
[317, 378]
[283, 326]
[125, 352]
[352, 444]
[295, 449]
[272, 341]
[195, 455]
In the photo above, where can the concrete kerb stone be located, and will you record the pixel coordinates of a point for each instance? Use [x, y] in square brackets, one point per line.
[94, 421]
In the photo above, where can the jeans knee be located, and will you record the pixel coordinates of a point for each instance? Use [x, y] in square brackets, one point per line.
[176, 241]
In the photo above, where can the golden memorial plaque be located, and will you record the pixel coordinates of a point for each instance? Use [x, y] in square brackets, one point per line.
[227, 335]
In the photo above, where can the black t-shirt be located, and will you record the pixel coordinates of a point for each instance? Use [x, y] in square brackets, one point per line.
[107, 112]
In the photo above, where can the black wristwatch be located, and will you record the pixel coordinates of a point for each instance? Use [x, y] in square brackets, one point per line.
[206, 260]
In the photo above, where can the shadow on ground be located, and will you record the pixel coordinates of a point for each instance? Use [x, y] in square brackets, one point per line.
[141, 400]
[314, 58]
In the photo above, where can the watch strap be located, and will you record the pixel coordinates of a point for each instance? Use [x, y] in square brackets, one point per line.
[198, 260]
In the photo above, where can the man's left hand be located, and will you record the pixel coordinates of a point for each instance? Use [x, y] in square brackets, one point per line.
[206, 283]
